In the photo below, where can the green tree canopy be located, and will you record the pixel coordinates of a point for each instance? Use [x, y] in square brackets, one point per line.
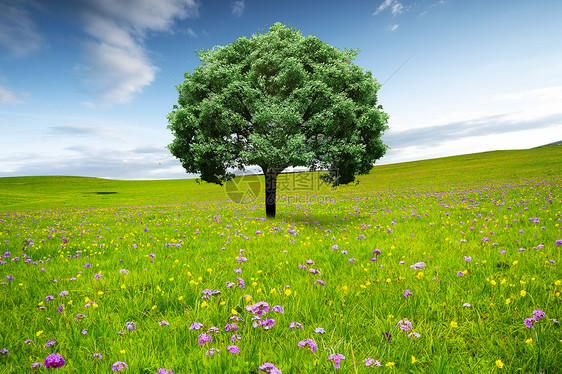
[278, 100]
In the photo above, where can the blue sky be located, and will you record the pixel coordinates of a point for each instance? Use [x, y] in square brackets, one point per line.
[85, 86]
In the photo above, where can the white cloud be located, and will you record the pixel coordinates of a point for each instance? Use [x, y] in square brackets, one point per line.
[118, 65]
[392, 27]
[11, 97]
[238, 8]
[395, 7]
[18, 32]
[191, 33]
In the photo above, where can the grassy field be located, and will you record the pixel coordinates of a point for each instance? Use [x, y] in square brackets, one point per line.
[441, 266]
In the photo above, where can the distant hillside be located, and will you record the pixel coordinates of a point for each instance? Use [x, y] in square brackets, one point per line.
[549, 144]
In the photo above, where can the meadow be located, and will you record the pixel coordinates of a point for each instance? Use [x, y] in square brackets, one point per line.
[441, 266]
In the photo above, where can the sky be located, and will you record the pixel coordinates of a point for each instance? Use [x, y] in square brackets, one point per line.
[85, 86]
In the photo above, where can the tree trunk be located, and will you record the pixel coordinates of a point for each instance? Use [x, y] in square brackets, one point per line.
[270, 192]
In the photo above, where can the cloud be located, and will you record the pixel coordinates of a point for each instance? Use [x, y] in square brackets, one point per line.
[394, 5]
[237, 8]
[432, 136]
[117, 64]
[392, 27]
[11, 97]
[191, 33]
[18, 32]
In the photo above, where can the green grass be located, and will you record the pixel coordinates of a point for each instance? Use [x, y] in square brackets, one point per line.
[178, 238]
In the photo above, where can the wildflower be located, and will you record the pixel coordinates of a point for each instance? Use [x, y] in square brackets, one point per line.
[460, 274]
[97, 355]
[195, 326]
[308, 342]
[336, 359]
[528, 322]
[414, 360]
[235, 337]
[36, 365]
[387, 335]
[131, 326]
[164, 371]
[50, 342]
[454, 324]
[29, 341]
[54, 361]
[296, 325]
[523, 293]
[84, 331]
[119, 365]
[98, 276]
[204, 338]
[163, 323]
[319, 330]
[467, 258]
[408, 293]
[63, 293]
[268, 367]
[414, 334]
[558, 242]
[212, 351]
[390, 364]
[499, 364]
[231, 327]
[404, 325]
[233, 349]
[529, 341]
[49, 298]
[278, 309]
[538, 315]
[4, 352]
[371, 362]
[466, 305]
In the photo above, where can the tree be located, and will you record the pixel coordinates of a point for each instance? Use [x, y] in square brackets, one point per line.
[277, 100]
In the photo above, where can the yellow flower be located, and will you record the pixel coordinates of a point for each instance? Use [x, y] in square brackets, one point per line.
[39, 332]
[514, 263]
[344, 288]
[123, 351]
[420, 275]
[454, 324]
[390, 364]
[154, 307]
[180, 298]
[499, 364]
[507, 301]
[414, 360]
[203, 304]
[233, 311]
[100, 293]
[529, 341]
[558, 283]
[523, 293]
[493, 282]
[171, 279]
[248, 297]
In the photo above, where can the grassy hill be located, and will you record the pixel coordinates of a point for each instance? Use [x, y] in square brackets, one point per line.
[498, 167]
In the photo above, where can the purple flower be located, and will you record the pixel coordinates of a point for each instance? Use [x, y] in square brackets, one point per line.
[36, 365]
[10, 278]
[164, 371]
[233, 349]
[538, 315]
[558, 242]
[84, 331]
[63, 293]
[119, 365]
[195, 326]
[467, 258]
[49, 298]
[408, 293]
[387, 335]
[418, 266]
[466, 305]
[87, 265]
[98, 276]
[414, 334]
[4, 352]
[213, 329]
[54, 361]
[97, 355]
[296, 325]
[268, 367]
[259, 308]
[79, 317]
[212, 351]
[319, 330]
[371, 362]
[131, 326]
[50, 342]
[163, 323]
[336, 359]
[231, 327]
[204, 338]
[235, 337]
[335, 247]
[460, 273]
[404, 325]
[308, 342]
[278, 309]
[485, 239]
[528, 322]
[124, 271]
